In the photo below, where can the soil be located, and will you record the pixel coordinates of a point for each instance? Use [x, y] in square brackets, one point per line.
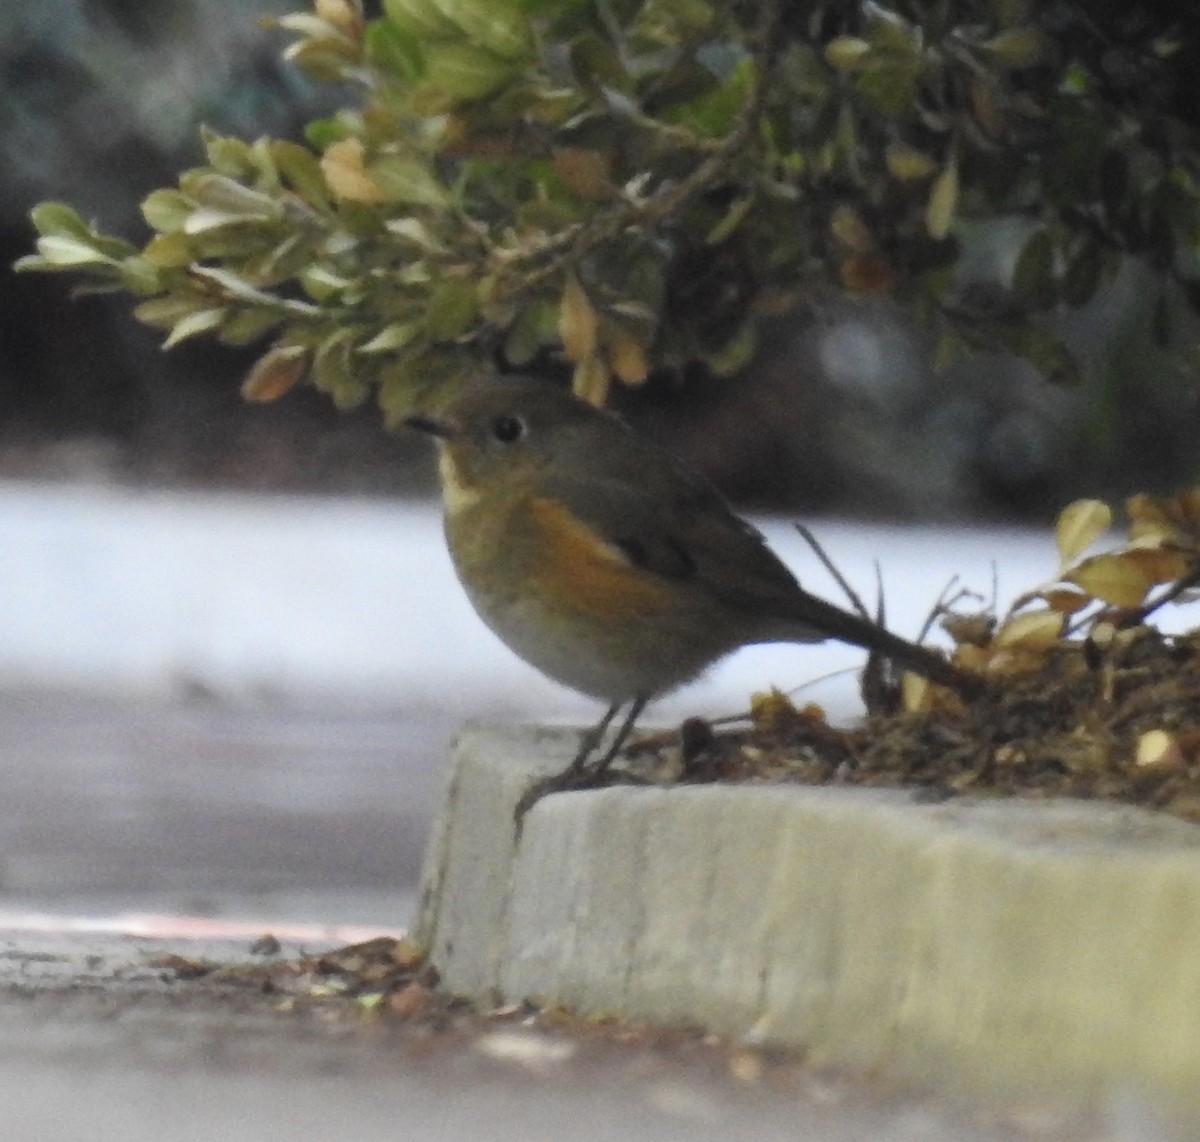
[1121, 724]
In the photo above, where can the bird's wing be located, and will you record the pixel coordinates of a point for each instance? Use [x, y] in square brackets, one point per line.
[680, 528]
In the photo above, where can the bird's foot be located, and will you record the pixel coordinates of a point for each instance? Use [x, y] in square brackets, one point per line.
[572, 779]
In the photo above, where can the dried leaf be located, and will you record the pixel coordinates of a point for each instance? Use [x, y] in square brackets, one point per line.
[1079, 525]
[1149, 521]
[1114, 578]
[347, 176]
[275, 373]
[1160, 564]
[772, 712]
[1030, 630]
[868, 274]
[915, 692]
[587, 172]
[626, 356]
[1064, 600]
[591, 380]
[345, 15]
[1157, 749]
[577, 322]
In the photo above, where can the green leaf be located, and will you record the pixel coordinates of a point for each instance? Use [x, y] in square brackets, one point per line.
[227, 156]
[847, 53]
[407, 179]
[736, 353]
[1048, 354]
[943, 202]
[302, 170]
[195, 323]
[465, 72]
[890, 82]
[888, 29]
[220, 195]
[394, 50]
[141, 276]
[71, 252]
[246, 326]
[1084, 273]
[714, 113]
[598, 65]
[1033, 281]
[167, 210]
[422, 19]
[57, 220]
[452, 310]
[390, 338]
[1020, 47]
[164, 312]
[534, 327]
[497, 26]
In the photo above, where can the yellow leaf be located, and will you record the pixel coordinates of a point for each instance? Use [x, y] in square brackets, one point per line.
[846, 52]
[1064, 600]
[907, 163]
[626, 357]
[1031, 630]
[772, 711]
[1149, 522]
[1160, 564]
[577, 322]
[915, 692]
[591, 380]
[274, 373]
[345, 15]
[943, 201]
[1114, 578]
[347, 176]
[1157, 749]
[1080, 524]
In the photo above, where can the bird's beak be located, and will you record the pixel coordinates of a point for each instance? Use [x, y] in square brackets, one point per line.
[431, 426]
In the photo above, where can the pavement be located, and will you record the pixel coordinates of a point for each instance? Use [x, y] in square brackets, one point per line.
[138, 830]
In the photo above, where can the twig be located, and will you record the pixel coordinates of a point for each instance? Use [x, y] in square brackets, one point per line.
[850, 593]
[1184, 583]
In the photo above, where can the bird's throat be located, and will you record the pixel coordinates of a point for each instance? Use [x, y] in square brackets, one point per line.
[457, 494]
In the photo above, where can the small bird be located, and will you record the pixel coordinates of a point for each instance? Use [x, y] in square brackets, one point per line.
[608, 565]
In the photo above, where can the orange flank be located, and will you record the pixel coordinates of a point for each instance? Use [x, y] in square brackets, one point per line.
[603, 583]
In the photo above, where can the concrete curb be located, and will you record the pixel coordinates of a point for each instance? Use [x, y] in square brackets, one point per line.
[973, 945]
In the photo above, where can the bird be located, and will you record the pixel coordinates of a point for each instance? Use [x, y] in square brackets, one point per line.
[611, 566]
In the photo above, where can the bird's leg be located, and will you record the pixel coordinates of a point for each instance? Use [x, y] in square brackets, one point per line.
[591, 742]
[580, 774]
[610, 755]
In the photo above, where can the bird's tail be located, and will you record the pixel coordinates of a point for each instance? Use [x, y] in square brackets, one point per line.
[834, 622]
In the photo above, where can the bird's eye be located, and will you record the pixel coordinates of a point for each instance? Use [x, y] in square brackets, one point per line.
[508, 429]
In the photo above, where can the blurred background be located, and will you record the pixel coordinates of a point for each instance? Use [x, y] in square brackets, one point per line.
[231, 647]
